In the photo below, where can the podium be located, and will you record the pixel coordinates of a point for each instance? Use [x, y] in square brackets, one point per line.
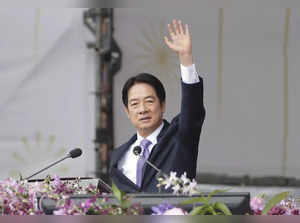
[238, 203]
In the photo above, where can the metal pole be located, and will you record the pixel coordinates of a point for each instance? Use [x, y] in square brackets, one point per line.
[108, 63]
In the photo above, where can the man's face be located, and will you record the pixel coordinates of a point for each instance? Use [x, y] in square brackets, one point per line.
[144, 108]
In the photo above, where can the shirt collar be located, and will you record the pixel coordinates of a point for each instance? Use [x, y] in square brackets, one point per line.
[152, 137]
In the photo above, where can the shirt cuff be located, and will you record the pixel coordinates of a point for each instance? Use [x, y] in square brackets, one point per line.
[189, 74]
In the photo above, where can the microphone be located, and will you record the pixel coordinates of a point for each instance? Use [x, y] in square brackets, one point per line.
[137, 151]
[72, 154]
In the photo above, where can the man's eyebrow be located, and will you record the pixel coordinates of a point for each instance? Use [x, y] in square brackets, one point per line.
[152, 97]
[133, 99]
[136, 99]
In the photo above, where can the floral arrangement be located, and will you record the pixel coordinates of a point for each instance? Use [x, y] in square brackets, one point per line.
[16, 198]
[280, 204]
[20, 198]
[183, 185]
[179, 185]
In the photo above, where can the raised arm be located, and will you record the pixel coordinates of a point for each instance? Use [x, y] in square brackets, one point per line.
[192, 109]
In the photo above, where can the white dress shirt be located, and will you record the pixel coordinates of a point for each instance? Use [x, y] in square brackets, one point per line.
[128, 164]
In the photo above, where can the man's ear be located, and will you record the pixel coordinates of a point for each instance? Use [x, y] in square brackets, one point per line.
[163, 106]
[126, 111]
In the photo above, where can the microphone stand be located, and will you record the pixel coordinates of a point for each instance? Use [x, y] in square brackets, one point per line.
[47, 167]
[137, 151]
[154, 167]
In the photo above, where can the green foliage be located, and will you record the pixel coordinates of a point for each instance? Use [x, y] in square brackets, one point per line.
[207, 207]
[273, 201]
[121, 196]
[223, 208]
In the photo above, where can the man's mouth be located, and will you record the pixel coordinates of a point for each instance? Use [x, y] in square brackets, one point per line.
[145, 118]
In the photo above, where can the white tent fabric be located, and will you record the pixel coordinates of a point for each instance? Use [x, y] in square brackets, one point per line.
[44, 91]
[47, 76]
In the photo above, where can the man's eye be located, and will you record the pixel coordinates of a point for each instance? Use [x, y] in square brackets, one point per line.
[150, 101]
[133, 104]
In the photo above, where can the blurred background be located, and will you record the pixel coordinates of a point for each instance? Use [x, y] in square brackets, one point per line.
[62, 71]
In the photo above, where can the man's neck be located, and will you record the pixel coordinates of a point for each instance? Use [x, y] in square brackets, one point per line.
[153, 134]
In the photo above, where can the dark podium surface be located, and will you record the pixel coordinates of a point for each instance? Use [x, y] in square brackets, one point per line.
[238, 203]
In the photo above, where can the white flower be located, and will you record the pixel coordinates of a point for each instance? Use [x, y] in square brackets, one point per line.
[184, 179]
[59, 212]
[176, 189]
[173, 176]
[193, 184]
[167, 183]
[170, 180]
[186, 190]
[175, 211]
[193, 187]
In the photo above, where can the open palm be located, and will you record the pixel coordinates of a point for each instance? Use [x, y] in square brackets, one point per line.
[180, 40]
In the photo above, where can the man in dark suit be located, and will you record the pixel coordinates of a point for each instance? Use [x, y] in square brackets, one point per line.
[170, 146]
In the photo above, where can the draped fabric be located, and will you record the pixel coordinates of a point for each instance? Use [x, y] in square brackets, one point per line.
[247, 54]
[44, 98]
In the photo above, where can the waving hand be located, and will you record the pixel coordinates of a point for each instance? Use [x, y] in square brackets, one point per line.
[180, 42]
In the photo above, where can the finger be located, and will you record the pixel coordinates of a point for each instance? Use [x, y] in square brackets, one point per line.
[180, 27]
[167, 41]
[187, 30]
[176, 27]
[171, 31]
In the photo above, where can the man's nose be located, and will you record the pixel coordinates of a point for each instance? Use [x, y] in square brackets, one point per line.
[143, 109]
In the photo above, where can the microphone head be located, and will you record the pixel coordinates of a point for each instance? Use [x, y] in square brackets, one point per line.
[137, 150]
[75, 153]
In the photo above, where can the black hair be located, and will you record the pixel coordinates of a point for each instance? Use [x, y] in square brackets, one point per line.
[144, 78]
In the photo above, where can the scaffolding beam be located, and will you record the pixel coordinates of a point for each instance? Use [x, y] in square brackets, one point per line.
[108, 62]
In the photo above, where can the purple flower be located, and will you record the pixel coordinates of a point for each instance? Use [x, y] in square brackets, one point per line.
[289, 203]
[89, 203]
[161, 209]
[91, 189]
[295, 212]
[277, 210]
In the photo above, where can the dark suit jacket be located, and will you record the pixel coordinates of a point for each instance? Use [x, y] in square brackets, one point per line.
[177, 144]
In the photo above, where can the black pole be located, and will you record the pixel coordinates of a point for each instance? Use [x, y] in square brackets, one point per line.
[108, 62]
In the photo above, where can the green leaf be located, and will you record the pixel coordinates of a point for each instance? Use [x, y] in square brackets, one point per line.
[198, 210]
[117, 193]
[273, 201]
[195, 200]
[47, 179]
[216, 192]
[222, 207]
[20, 177]
[211, 210]
[120, 196]
[125, 201]
[207, 210]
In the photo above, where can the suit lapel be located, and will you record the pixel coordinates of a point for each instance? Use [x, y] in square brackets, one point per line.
[122, 150]
[124, 183]
[156, 148]
[119, 154]
[159, 150]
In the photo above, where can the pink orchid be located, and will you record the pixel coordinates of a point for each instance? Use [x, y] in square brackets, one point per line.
[257, 203]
